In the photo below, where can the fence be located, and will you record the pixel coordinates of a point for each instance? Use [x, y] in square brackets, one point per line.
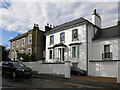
[62, 69]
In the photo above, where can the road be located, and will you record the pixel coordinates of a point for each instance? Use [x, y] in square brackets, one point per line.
[37, 82]
[34, 83]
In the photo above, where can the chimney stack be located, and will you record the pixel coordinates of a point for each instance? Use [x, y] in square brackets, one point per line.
[36, 26]
[96, 19]
[48, 27]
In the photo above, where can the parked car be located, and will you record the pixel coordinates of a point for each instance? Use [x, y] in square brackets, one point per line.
[15, 69]
[77, 71]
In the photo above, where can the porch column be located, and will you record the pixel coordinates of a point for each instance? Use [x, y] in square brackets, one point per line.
[61, 54]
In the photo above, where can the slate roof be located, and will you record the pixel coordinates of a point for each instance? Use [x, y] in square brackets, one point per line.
[70, 23]
[107, 32]
[19, 36]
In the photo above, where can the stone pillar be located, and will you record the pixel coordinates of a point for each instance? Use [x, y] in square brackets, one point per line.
[61, 54]
[67, 69]
[118, 72]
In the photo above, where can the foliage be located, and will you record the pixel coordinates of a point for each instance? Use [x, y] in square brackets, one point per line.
[5, 54]
[26, 57]
[118, 22]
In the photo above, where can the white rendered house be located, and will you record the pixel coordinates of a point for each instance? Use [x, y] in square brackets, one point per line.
[81, 42]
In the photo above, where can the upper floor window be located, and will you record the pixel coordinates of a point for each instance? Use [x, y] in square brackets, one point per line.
[107, 54]
[62, 37]
[23, 42]
[51, 40]
[17, 44]
[30, 39]
[74, 34]
[13, 45]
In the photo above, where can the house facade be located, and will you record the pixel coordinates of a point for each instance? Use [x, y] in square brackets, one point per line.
[70, 42]
[82, 42]
[31, 42]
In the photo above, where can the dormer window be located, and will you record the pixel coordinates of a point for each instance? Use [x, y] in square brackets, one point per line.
[75, 34]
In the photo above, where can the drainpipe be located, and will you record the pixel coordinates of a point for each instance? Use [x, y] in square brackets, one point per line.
[87, 47]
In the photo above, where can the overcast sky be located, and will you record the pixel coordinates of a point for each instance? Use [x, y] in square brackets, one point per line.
[19, 17]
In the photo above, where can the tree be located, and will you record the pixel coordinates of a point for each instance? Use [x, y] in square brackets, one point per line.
[5, 54]
[119, 22]
[26, 57]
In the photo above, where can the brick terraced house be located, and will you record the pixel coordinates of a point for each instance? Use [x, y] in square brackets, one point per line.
[31, 42]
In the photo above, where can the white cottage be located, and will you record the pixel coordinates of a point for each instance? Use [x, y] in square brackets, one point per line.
[82, 42]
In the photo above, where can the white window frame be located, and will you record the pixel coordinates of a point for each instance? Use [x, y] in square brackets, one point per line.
[29, 39]
[30, 50]
[12, 45]
[76, 53]
[22, 41]
[18, 45]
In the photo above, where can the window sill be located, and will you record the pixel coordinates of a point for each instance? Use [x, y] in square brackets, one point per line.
[75, 39]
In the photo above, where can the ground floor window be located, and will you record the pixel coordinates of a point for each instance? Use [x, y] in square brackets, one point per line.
[75, 51]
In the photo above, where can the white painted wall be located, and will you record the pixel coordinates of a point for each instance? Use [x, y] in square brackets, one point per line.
[98, 48]
[118, 76]
[58, 69]
[68, 40]
[103, 69]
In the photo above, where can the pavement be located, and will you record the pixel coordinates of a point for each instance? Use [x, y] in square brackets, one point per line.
[84, 81]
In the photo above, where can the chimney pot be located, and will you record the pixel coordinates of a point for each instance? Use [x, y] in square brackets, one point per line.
[48, 24]
[51, 26]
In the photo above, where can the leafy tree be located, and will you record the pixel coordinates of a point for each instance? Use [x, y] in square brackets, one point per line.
[118, 22]
[26, 57]
[5, 54]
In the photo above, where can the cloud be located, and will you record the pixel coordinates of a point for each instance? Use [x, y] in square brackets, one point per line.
[20, 16]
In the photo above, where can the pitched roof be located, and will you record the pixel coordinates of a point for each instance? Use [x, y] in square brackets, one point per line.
[107, 32]
[19, 36]
[70, 23]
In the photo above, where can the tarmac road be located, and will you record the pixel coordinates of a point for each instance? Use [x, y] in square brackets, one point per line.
[46, 81]
[34, 83]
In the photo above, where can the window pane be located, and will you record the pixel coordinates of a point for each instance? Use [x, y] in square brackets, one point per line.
[73, 52]
[78, 50]
[107, 55]
[50, 53]
[75, 34]
[51, 39]
[62, 36]
[107, 48]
